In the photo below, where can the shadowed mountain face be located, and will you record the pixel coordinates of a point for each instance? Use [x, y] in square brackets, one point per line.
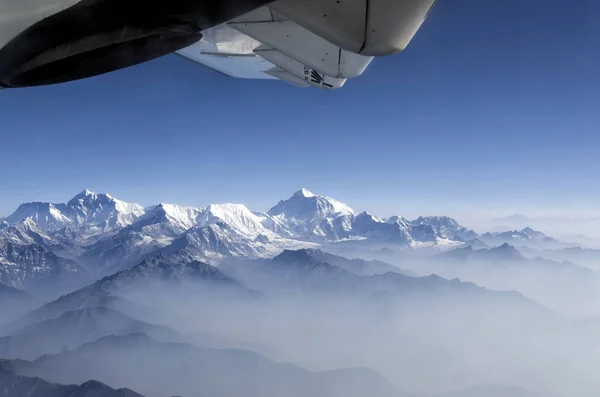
[168, 270]
[307, 272]
[13, 385]
[526, 236]
[200, 278]
[32, 266]
[503, 253]
[359, 267]
[163, 369]
[73, 329]
[561, 286]
[584, 257]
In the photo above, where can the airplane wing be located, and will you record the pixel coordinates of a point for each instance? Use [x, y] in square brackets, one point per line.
[318, 43]
[264, 44]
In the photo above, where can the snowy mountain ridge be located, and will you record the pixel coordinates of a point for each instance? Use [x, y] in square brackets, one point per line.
[105, 234]
[93, 213]
[304, 216]
[90, 207]
[237, 216]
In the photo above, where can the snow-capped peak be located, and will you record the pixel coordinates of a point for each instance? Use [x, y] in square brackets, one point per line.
[436, 220]
[102, 210]
[85, 193]
[183, 217]
[45, 215]
[304, 193]
[304, 212]
[237, 216]
[87, 210]
[304, 204]
[398, 220]
[88, 196]
[368, 215]
[98, 221]
[446, 228]
[93, 195]
[25, 232]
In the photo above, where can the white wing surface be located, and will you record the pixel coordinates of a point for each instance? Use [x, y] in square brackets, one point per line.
[322, 43]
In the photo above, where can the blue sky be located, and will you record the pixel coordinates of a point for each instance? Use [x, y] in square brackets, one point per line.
[493, 108]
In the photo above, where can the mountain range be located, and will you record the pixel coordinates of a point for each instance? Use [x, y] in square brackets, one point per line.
[89, 213]
[14, 385]
[526, 236]
[73, 329]
[205, 280]
[185, 369]
[102, 231]
[560, 285]
[107, 274]
[314, 272]
[304, 216]
[93, 235]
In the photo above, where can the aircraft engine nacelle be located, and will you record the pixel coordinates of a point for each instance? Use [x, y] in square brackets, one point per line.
[365, 27]
[54, 41]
